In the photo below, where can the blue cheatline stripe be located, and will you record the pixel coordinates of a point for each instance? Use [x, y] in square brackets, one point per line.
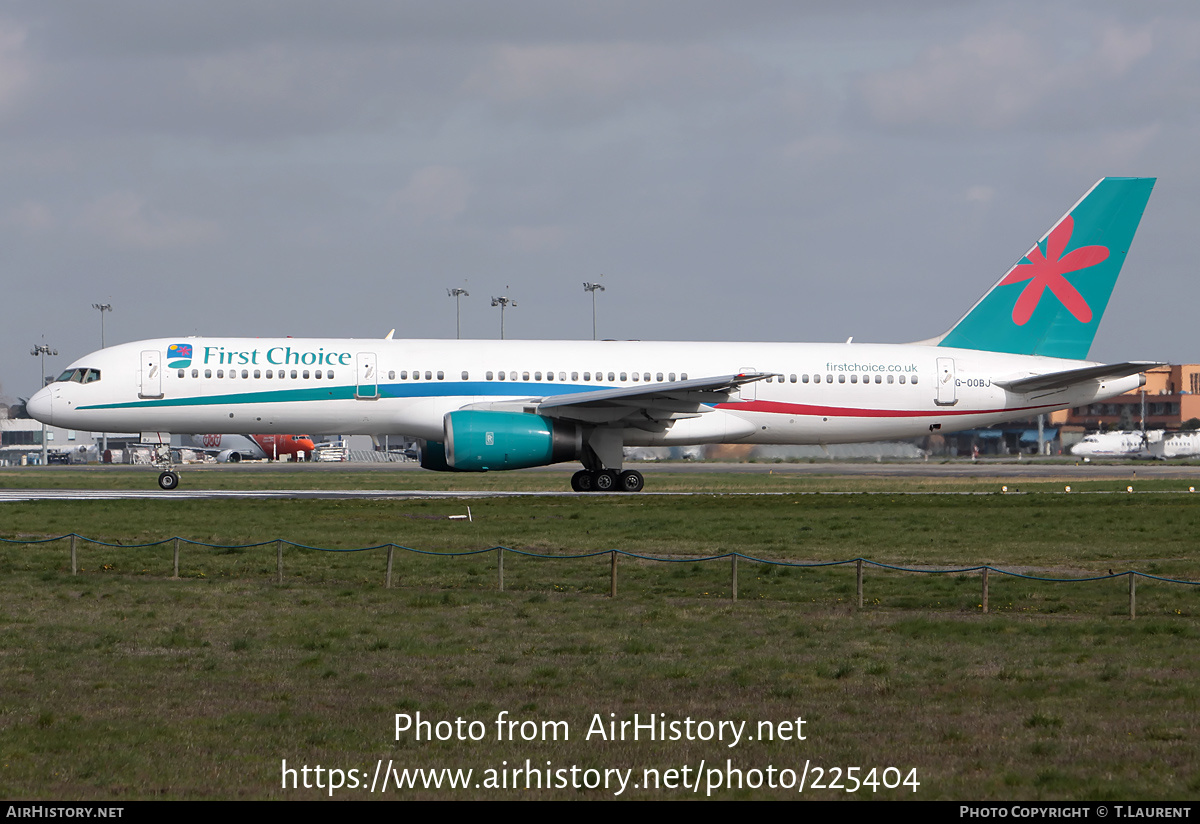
[392, 390]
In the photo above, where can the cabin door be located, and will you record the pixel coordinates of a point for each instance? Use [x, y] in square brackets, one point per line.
[151, 375]
[367, 383]
[946, 394]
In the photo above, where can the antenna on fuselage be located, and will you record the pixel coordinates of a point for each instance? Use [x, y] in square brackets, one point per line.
[388, 336]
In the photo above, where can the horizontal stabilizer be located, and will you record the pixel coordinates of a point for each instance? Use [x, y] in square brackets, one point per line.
[1072, 377]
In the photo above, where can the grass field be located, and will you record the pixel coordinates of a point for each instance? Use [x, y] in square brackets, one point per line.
[120, 683]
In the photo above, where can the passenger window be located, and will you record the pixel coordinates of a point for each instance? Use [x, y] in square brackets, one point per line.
[524, 376]
[329, 374]
[683, 376]
[404, 375]
[195, 373]
[901, 379]
[512, 376]
[671, 376]
[841, 378]
[562, 376]
[658, 377]
[428, 375]
[914, 379]
[574, 376]
[257, 374]
[636, 376]
[854, 379]
[804, 378]
[293, 374]
[180, 373]
[441, 375]
[623, 377]
[220, 373]
[489, 375]
[208, 373]
[306, 374]
[464, 375]
[829, 379]
[501, 375]
[891, 379]
[587, 376]
[316, 374]
[612, 378]
[879, 379]
[245, 373]
[391, 375]
[549, 376]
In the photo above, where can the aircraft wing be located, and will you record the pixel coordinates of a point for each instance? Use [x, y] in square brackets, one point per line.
[1070, 377]
[657, 402]
[650, 404]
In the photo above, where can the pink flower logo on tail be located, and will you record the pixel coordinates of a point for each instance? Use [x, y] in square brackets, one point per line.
[1046, 271]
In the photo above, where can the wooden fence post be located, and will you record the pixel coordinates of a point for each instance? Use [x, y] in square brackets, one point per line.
[175, 553]
[387, 584]
[985, 590]
[735, 577]
[279, 558]
[500, 566]
[1132, 595]
[74, 563]
[858, 580]
[612, 584]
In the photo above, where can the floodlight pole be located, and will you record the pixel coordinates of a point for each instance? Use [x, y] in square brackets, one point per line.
[593, 288]
[43, 350]
[103, 307]
[503, 302]
[457, 294]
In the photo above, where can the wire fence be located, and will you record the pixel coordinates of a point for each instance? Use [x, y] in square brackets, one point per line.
[984, 570]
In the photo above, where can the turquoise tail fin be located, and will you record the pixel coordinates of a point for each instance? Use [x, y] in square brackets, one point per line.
[1050, 303]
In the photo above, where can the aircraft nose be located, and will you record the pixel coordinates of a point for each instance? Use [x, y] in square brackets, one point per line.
[40, 406]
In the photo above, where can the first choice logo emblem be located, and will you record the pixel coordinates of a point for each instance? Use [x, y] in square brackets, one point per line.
[1045, 270]
[179, 355]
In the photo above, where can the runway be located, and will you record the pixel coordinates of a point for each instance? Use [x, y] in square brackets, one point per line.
[997, 472]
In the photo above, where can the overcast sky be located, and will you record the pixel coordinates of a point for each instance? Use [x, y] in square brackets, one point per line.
[729, 171]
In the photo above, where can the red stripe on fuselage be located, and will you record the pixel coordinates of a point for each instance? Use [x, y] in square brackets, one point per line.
[778, 408]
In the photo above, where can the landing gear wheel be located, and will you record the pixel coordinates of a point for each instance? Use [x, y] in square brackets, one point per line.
[581, 481]
[632, 481]
[606, 481]
[168, 480]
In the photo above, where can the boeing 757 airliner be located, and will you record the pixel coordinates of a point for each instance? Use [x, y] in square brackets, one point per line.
[491, 405]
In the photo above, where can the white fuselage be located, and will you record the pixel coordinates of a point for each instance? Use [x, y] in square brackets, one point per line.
[824, 393]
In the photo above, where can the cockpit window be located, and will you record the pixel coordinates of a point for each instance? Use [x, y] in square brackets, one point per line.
[79, 376]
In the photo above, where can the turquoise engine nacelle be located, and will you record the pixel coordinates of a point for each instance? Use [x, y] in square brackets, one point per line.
[477, 441]
[433, 456]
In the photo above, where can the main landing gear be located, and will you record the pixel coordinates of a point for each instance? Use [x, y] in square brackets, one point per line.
[607, 480]
[168, 480]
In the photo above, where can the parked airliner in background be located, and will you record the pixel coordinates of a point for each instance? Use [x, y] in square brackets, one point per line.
[235, 448]
[491, 405]
[1129, 443]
